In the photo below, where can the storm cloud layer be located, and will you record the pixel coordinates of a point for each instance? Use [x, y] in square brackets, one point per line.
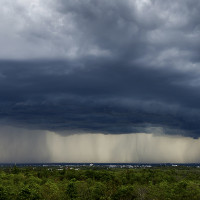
[101, 66]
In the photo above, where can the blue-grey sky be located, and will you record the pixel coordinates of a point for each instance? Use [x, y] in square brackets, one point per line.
[97, 66]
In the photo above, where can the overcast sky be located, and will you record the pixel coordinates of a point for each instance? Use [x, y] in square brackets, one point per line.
[98, 66]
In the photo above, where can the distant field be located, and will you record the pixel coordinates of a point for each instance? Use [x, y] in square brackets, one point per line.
[98, 183]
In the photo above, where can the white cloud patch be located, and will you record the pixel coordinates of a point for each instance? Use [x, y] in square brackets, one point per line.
[32, 30]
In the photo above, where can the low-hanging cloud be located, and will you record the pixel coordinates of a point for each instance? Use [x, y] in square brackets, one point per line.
[101, 97]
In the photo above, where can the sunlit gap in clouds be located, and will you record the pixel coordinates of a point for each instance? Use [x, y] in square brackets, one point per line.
[20, 145]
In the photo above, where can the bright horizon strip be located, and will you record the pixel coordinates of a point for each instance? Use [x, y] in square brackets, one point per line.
[45, 146]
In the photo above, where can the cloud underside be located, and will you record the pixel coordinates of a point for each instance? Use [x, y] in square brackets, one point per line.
[107, 97]
[101, 67]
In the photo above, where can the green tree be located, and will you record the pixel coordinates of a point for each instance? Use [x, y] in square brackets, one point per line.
[125, 192]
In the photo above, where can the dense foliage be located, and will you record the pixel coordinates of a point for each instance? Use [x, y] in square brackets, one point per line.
[97, 183]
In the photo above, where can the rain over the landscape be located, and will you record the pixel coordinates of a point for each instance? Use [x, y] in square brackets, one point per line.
[100, 81]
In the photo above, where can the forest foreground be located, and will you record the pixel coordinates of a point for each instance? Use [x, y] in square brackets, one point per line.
[95, 183]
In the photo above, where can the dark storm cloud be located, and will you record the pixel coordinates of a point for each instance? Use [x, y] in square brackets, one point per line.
[102, 96]
[108, 66]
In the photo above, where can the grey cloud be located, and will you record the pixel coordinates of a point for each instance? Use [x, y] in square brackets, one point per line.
[103, 96]
[125, 27]
[101, 66]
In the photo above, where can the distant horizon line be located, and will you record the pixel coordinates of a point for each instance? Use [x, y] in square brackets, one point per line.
[140, 163]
